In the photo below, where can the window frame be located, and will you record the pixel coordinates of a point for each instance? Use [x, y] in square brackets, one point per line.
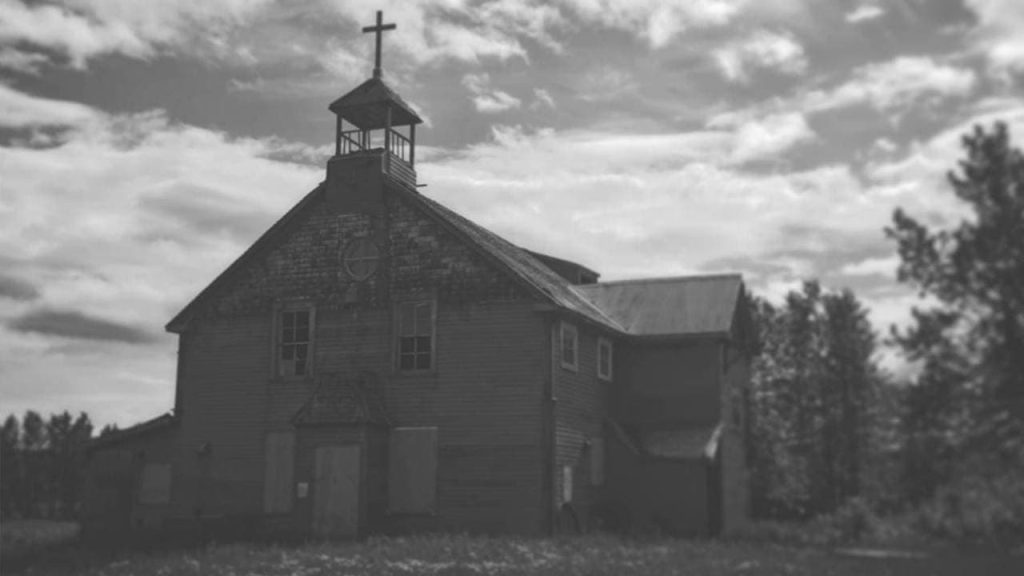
[567, 328]
[397, 339]
[278, 363]
[601, 342]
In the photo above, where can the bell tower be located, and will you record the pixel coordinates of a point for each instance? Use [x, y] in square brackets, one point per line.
[375, 136]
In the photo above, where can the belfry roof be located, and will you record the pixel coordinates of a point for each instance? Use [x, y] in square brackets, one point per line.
[366, 106]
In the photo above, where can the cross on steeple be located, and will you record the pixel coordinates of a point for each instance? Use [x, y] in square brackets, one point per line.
[378, 30]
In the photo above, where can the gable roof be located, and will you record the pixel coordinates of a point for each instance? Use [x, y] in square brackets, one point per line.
[141, 429]
[522, 264]
[181, 319]
[690, 305]
[340, 399]
[698, 305]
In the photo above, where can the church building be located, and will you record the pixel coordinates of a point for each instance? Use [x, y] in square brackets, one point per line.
[376, 363]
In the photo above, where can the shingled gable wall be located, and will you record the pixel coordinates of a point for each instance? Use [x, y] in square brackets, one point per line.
[485, 395]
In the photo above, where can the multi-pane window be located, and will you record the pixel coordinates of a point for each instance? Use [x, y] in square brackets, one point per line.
[295, 342]
[604, 359]
[415, 336]
[570, 346]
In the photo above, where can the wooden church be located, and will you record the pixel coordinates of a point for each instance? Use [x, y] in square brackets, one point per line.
[377, 363]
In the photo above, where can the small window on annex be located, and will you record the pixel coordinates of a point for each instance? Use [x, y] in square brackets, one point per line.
[604, 359]
[295, 342]
[415, 336]
[570, 346]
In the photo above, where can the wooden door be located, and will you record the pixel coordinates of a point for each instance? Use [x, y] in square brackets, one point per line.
[336, 491]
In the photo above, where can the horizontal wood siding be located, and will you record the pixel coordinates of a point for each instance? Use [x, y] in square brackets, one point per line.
[580, 411]
[485, 393]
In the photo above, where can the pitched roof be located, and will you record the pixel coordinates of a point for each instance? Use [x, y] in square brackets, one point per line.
[693, 305]
[366, 106]
[141, 429]
[692, 442]
[523, 265]
[181, 319]
[341, 399]
[699, 305]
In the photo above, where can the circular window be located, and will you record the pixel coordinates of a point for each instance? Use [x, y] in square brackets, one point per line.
[360, 258]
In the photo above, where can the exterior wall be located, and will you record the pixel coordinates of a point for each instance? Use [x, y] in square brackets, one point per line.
[580, 410]
[658, 495]
[485, 394]
[735, 477]
[111, 506]
[669, 384]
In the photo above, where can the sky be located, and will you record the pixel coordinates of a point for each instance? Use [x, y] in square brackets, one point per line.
[145, 145]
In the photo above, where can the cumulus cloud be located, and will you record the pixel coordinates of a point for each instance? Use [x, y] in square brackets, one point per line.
[83, 29]
[486, 99]
[778, 51]
[896, 84]
[864, 12]
[141, 190]
[20, 110]
[998, 34]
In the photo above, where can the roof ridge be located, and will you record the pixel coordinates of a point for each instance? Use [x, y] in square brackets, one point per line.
[657, 279]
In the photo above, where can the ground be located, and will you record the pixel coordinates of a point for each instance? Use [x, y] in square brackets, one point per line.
[443, 555]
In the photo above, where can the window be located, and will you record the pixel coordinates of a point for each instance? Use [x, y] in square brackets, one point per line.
[412, 470]
[415, 335]
[570, 345]
[604, 359]
[295, 342]
[360, 259]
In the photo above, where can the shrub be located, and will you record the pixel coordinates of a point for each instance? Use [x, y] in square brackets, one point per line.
[978, 508]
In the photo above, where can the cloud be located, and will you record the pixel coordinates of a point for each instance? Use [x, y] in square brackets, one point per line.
[896, 84]
[542, 98]
[17, 289]
[765, 137]
[488, 100]
[20, 110]
[778, 51]
[864, 12]
[72, 324]
[998, 34]
[84, 29]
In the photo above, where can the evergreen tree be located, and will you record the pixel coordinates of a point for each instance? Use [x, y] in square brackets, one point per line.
[969, 343]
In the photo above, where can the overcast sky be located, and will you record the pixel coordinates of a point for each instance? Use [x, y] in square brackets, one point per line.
[145, 145]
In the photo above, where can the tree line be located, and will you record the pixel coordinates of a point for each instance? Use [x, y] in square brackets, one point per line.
[829, 428]
[43, 464]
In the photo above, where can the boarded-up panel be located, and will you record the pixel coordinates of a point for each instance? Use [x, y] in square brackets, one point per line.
[412, 470]
[155, 485]
[279, 472]
[336, 491]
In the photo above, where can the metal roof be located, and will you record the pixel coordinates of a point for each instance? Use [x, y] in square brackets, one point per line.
[689, 305]
[366, 106]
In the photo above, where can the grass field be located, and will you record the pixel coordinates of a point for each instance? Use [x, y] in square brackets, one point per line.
[441, 555]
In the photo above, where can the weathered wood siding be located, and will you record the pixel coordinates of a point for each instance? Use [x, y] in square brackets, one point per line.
[484, 395]
[581, 408]
[735, 476]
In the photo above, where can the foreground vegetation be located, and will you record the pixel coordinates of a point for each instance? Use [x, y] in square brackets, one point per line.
[442, 555]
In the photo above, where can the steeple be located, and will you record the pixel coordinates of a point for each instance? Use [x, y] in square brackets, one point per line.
[373, 120]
